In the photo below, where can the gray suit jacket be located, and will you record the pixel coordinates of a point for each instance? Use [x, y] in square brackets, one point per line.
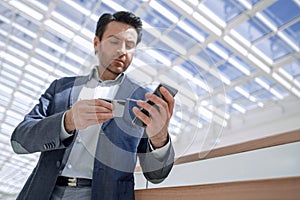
[119, 144]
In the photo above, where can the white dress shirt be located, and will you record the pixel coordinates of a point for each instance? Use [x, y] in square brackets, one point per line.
[81, 159]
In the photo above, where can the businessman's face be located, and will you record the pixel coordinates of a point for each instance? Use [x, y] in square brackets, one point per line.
[115, 49]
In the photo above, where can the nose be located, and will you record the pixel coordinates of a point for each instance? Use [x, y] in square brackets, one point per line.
[122, 49]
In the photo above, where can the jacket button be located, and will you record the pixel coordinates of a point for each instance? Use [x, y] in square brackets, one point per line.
[57, 163]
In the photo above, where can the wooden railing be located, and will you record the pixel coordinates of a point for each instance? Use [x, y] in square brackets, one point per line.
[274, 140]
[281, 188]
[270, 189]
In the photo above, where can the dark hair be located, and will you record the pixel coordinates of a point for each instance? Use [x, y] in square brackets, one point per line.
[121, 16]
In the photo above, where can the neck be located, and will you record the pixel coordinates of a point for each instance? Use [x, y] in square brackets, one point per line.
[106, 74]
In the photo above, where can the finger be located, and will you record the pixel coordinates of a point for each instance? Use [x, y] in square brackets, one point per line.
[104, 117]
[153, 111]
[103, 103]
[169, 99]
[143, 117]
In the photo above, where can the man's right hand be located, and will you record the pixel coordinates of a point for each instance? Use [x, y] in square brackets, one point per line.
[85, 113]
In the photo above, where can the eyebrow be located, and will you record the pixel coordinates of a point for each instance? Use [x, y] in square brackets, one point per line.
[118, 38]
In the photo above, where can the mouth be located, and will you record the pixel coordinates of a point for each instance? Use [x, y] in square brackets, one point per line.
[119, 61]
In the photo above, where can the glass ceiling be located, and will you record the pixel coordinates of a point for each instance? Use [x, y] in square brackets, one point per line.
[226, 57]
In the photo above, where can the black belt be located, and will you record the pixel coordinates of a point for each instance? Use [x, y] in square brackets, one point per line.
[72, 181]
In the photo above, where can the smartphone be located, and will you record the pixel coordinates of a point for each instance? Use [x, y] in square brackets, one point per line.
[172, 91]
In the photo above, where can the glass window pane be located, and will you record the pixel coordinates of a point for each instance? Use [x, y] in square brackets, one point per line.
[282, 11]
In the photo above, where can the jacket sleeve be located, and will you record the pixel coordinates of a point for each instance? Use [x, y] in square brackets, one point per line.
[155, 169]
[40, 129]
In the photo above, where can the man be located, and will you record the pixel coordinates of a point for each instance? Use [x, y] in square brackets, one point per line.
[86, 151]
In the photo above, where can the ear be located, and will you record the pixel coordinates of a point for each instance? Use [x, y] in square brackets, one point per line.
[96, 43]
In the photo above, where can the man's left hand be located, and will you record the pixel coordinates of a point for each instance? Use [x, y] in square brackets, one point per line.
[158, 120]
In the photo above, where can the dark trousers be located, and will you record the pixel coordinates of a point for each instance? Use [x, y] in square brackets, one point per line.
[71, 193]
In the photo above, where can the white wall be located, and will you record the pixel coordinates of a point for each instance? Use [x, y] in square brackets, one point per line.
[278, 161]
[273, 162]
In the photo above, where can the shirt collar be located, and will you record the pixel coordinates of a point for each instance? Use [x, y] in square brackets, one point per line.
[95, 75]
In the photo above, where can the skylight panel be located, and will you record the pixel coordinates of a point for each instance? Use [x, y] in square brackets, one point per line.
[13, 58]
[212, 80]
[53, 46]
[18, 117]
[27, 10]
[213, 28]
[22, 98]
[60, 29]
[265, 82]
[33, 78]
[85, 45]
[18, 52]
[241, 65]
[167, 51]
[20, 41]
[42, 74]
[115, 6]
[252, 29]
[253, 2]
[233, 95]
[12, 68]
[31, 85]
[224, 9]
[220, 49]
[159, 57]
[46, 50]
[47, 55]
[22, 36]
[19, 106]
[264, 96]
[88, 33]
[293, 69]
[8, 75]
[155, 19]
[182, 4]
[247, 104]
[192, 31]
[296, 92]
[281, 80]
[6, 89]
[252, 87]
[235, 45]
[282, 12]
[66, 22]
[70, 13]
[147, 38]
[274, 48]
[56, 40]
[183, 39]
[210, 56]
[165, 10]
[43, 62]
[279, 92]
[130, 5]
[292, 33]
[25, 30]
[79, 7]
[229, 72]
[42, 4]
[239, 108]
[71, 65]
[194, 68]
[105, 7]
[259, 63]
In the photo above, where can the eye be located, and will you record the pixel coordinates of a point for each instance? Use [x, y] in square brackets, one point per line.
[130, 45]
[114, 41]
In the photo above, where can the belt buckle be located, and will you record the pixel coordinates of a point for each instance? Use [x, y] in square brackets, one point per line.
[72, 182]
